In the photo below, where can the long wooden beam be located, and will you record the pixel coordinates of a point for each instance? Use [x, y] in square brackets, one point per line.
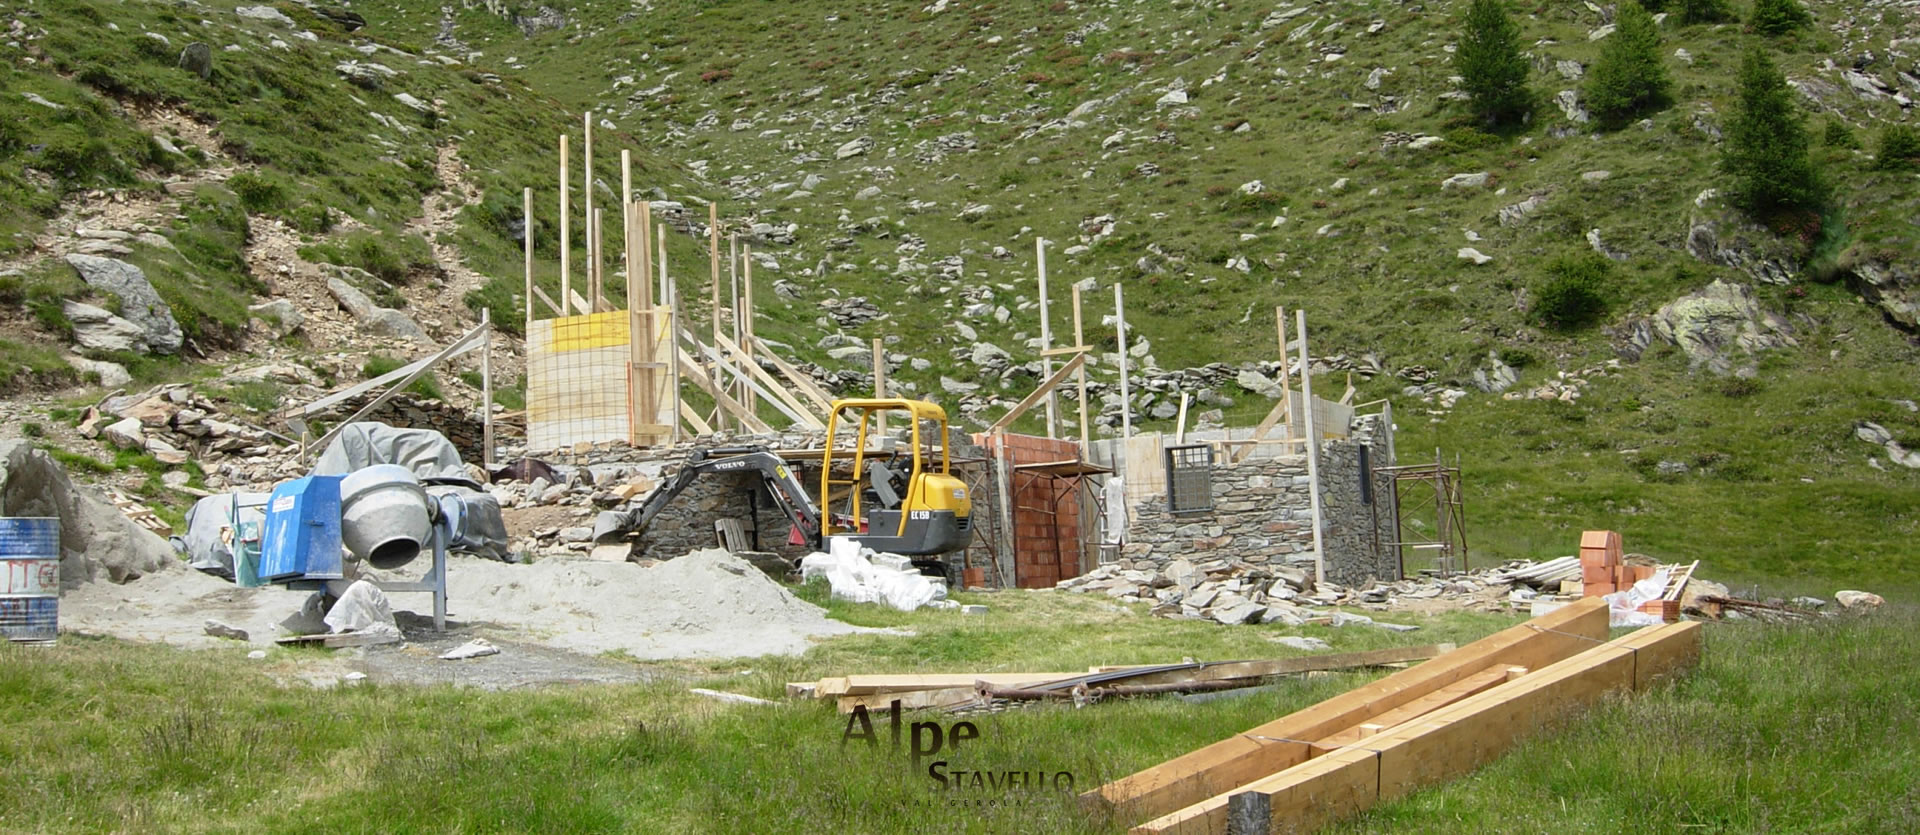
[1040, 392]
[801, 381]
[467, 342]
[794, 412]
[727, 404]
[1284, 742]
[1447, 743]
[775, 390]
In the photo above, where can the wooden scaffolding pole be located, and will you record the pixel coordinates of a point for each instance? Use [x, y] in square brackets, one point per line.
[713, 257]
[596, 300]
[1080, 376]
[566, 243]
[1282, 410]
[626, 210]
[486, 389]
[526, 239]
[586, 205]
[670, 297]
[743, 321]
[1313, 447]
[1126, 396]
[1046, 338]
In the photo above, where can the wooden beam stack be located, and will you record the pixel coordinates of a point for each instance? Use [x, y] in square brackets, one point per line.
[1384, 739]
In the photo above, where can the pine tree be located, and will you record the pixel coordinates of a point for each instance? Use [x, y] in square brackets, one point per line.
[1778, 17]
[1629, 79]
[1704, 11]
[1766, 150]
[1899, 148]
[1490, 64]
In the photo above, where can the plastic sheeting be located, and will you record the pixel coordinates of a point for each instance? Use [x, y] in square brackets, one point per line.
[427, 453]
[213, 536]
[1623, 607]
[861, 575]
[475, 520]
[363, 609]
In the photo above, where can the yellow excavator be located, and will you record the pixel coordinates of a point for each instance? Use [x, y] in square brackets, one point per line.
[908, 507]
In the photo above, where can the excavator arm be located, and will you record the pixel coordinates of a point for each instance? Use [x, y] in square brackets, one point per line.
[781, 483]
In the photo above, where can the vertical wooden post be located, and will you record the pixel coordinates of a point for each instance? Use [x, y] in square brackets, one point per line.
[1080, 375]
[743, 324]
[566, 244]
[595, 299]
[713, 256]
[626, 210]
[526, 234]
[1180, 426]
[880, 384]
[667, 296]
[1286, 376]
[1046, 337]
[1313, 447]
[586, 204]
[486, 389]
[670, 298]
[1126, 396]
[1009, 569]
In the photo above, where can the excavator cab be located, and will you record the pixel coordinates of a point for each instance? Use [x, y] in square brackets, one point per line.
[891, 503]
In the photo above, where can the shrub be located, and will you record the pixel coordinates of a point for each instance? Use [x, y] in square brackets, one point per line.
[1705, 11]
[1838, 135]
[1629, 79]
[257, 194]
[427, 386]
[1571, 298]
[1899, 148]
[1766, 148]
[1493, 72]
[1778, 17]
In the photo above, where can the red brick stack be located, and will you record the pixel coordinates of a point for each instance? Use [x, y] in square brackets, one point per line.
[1601, 568]
[1046, 545]
[1603, 572]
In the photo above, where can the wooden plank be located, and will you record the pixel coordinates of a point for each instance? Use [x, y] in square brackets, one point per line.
[1471, 685]
[1069, 349]
[943, 697]
[1297, 664]
[467, 342]
[461, 345]
[1239, 759]
[752, 422]
[775, 390]
[863, 684]
[1046, 386]
[801, 381]
[1446, 743]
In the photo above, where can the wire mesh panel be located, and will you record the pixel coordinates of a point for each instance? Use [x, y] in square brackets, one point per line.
[577, 380]
[1189, 478]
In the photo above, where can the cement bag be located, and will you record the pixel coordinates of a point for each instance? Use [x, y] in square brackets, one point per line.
[361, 609]
[1623, 607]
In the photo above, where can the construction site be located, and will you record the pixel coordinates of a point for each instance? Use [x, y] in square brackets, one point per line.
[678, 489]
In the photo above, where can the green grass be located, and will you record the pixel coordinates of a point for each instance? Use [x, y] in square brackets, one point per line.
[1782, 728]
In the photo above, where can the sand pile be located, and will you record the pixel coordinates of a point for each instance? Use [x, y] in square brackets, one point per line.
[707, 604]
[172, 606]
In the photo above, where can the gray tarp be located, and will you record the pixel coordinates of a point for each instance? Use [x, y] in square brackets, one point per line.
[475, 519]
[213, 536]
[427, 453]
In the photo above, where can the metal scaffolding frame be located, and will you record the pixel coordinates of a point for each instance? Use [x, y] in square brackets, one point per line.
[1423, 490]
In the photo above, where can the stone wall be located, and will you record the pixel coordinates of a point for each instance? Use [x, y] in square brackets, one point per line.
[1262, 514]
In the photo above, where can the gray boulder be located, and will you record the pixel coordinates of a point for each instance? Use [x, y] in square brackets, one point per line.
[98, 329]
[197, 58]
[140, 304]
[1717, 326]
[96, 540]
[379, 321]
[277, 318]
[111, 374]
[268, 14]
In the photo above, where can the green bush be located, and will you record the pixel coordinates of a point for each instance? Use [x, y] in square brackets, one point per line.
[1778, 17]
[1571, 298]
[1705, 11]
[312, 218]
[391, 258]
[258, 194]
[1838, 135]
[1629, 79]
[1488, 59]
[1766, 147]
[501, 298]
[1899, 148]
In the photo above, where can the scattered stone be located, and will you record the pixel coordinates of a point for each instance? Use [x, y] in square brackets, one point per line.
[1300, 643]
[125, 434]
[854, 148]
[476, 648]
[217, 629]
[110, 374]
[1860, 600]
[1468, 253]
[1474, 180]
[267, 14]
[139, 303]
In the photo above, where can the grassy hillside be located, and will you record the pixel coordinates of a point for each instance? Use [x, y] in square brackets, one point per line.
[991, 124]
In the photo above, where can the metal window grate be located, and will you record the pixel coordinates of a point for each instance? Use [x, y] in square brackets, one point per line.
[1189, 478]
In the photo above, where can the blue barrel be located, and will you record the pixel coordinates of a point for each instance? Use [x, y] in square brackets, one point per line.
[29, 578]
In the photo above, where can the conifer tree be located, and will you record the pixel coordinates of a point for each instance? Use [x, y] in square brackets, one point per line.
[1629, 79]
[1766, 148]
[1488, 58]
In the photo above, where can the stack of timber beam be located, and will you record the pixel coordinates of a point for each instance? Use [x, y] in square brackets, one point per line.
[1414, 728]
[952, 691]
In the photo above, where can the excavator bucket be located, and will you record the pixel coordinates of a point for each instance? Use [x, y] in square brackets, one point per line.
[611, 526]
